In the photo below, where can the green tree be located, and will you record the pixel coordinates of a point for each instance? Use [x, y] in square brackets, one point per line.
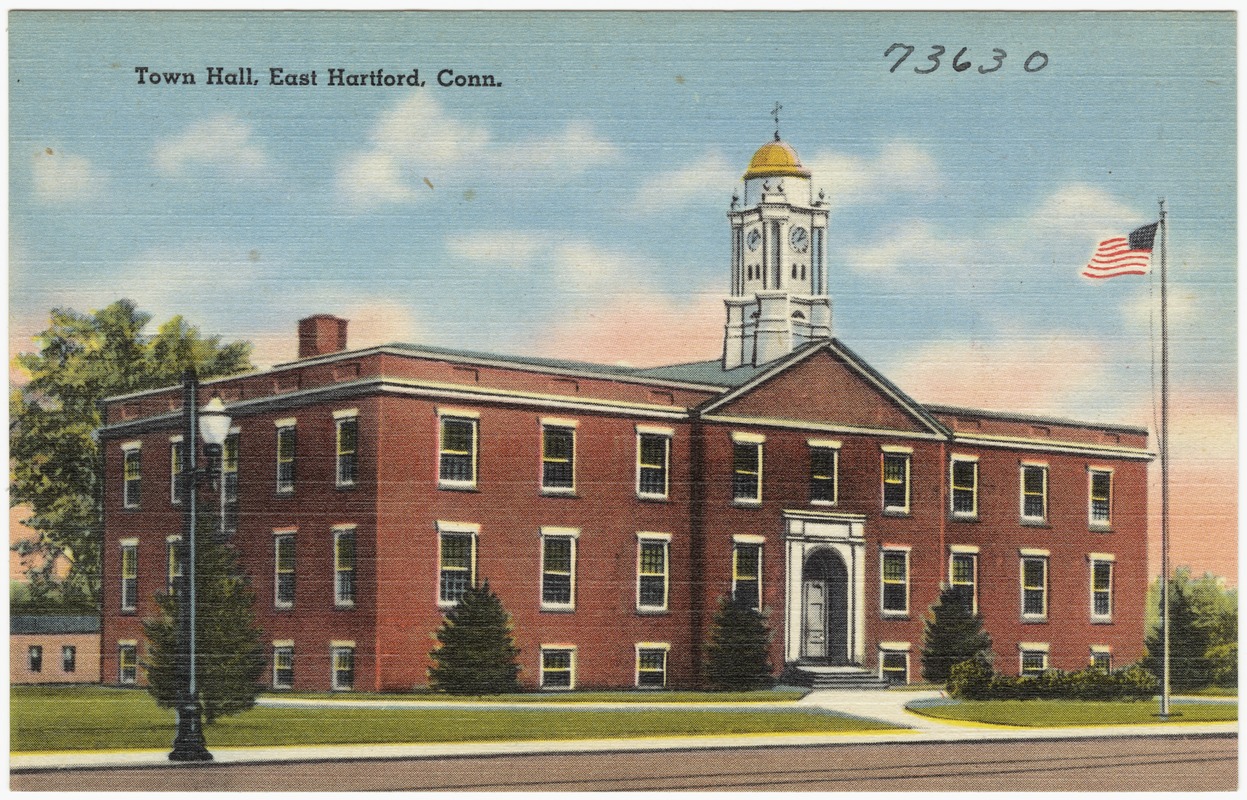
[229, 655]
[738, 650]
[55, 464]
[952, 633]
[1203, 633]
[476, 653]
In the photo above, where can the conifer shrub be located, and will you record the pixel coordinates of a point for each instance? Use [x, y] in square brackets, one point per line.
[737, 655]
[476, 653]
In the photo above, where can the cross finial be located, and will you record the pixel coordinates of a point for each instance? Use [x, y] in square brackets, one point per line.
[775, 113]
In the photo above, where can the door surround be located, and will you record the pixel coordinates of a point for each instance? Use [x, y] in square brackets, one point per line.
[805, 533]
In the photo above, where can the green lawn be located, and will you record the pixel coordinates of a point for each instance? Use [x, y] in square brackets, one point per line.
[766, 696]
[95, 718]
[1058, 713]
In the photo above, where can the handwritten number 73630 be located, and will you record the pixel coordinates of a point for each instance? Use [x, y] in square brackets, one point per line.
[961, 60]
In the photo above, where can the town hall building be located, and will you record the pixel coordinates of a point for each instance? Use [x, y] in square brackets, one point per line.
[612, 509]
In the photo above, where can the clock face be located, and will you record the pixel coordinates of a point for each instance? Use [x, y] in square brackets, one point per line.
[755, 239]
[800, 240]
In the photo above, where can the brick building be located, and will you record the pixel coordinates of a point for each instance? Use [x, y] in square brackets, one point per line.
[612, 508]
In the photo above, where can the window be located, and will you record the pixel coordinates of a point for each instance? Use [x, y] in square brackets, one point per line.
[747, 574]
[176, 488]
[651, 592]
[824, 472]
[343, 666]
[129, 575]
[285, 458]
[963, 577]
[558, 568]
[1101, 498]
[558, 668]
[348, 446]
[283, 569]
[896, 482]
[894, 663]
[283, 665]
[895, 567]
[1101, 658]
[457, 465]
[343, 567]
[651, 665]
[653, 454]
[34, 658]
[1101, 587]
[1034, 659]
[127, 662]
[746, 469]
[1034, 492]
[173, 553]
[69, 658]
[558, 458]
[964, 479]
[457, 559]
[131, 475]
[1035, 587]
[229, 468]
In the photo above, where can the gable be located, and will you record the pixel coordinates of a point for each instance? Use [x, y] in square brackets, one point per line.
[824, 388]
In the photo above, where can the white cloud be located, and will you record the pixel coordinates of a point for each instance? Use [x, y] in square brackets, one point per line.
[915, 249]
[417, 142]
[900, 168]
[61, 177]
[1082, 212]
[508, 248]
[707, 180]
[223, 144]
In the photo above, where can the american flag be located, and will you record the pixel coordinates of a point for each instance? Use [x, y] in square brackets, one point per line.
[1123, 255]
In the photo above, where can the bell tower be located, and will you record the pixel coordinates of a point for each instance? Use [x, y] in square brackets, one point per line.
[778, 299]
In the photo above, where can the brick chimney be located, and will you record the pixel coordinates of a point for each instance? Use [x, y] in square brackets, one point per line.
[321, 334]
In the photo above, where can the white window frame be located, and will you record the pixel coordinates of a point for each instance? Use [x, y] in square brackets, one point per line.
[907, 455]
[177, 452]
[69, 659]
[334, 649]
[570, 649]
[348, 416]
[1094, 560]
[284, 426]
[756, 543]
[1032, 648]
[832, 446]
[34, 658]
[1022, 495]
[552, 424]
[173, 565]
[1033, 555]
[884, 552]
[971, 552]
[340, 532]
[973, 461]
[280, 535]
[894, 649]
[650, 646]
[666, 434]
[122, 646]
[1092, 522]
[571, 535]
[650, 538]
[755, 441]
[287, 647]
[131, 499]
[472, 419]
[131, 546]
[229, 466]
[468, 529]
[1101, 650]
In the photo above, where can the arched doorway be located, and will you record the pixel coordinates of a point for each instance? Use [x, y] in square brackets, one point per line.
[825, 608]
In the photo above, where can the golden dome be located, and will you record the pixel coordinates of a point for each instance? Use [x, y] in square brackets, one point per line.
[776, 159]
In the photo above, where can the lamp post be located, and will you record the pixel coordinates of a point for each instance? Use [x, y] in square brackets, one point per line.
[213, 424]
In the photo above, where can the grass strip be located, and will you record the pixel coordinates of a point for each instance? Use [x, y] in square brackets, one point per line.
[1064, 713]
[643, 697]
[94, 718]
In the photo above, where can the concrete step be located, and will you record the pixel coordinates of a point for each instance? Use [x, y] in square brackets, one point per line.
[818, 676]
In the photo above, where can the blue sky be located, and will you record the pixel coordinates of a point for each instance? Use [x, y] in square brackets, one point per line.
[578, 210]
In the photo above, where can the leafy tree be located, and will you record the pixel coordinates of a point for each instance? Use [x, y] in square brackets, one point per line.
[54, 456]
[1203, 633]
[738, 650]
[229, 656]
[952, 633]
[476, 652]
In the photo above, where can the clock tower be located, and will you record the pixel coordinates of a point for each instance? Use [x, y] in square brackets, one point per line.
[778, 299]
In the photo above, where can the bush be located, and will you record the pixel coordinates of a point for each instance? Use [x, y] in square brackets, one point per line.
[975, 680]
[476, 654]
[970, 680]
[951, 634]
[736, 655]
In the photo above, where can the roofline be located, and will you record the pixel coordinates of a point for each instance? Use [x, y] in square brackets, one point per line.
[1008, 416]
[914, 407]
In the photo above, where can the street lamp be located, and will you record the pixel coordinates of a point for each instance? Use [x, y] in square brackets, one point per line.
[212, 423]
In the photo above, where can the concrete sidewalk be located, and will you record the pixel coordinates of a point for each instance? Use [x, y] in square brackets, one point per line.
[885, 706]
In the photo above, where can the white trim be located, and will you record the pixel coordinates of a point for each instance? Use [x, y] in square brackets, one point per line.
[292, 533]
[344, 413]
[896, 448]
[445, 526]
[963, 457]
[896, 647]
[953, 461]
[1043, 468]
[1101, 557]
[455, 411]
[964, 549]
[1075, 448]
[972, 552]
[653, 646]
[554, 423]
[474, 455]
[127, 642]
[283, 643]
[743, 437]
[772, 422]
[571, 534]
[286, 422]
[827, 444]
[234, 430]
[747, 538]
[907, 454]
[1033, 552]
[175, 439]
[132, 445]
[1091, 565]
[644, 538]
[559, 422]
[645, 430]
[1093, 523]
[1026, 463]
[541, 666]
[128, 542]
[665, 537]
[1101, 648]
[455, 529]
[554, 530]
[1033, 555]
[1041, 647]
[338, 531]
[883, 609]
[342, 643]
[656, 430]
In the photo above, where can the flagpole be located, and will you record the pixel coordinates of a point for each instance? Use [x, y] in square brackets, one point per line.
[1164, 462]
